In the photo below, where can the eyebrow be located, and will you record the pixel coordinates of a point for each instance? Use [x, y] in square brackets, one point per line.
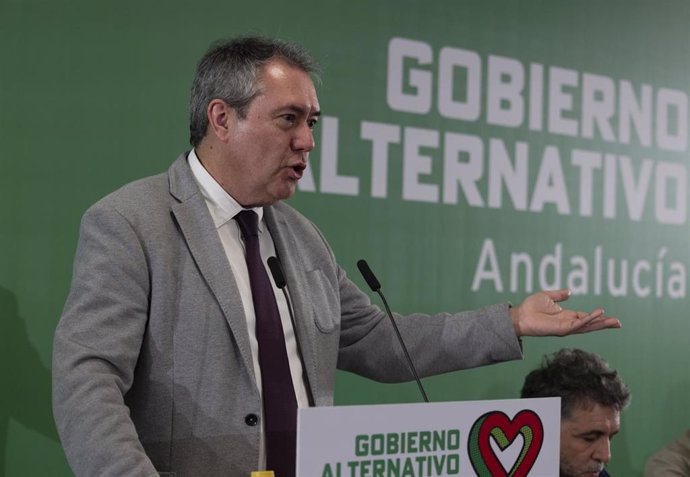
[597, 433]
[300, 110]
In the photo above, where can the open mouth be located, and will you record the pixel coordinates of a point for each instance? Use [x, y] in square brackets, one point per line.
[298, 170]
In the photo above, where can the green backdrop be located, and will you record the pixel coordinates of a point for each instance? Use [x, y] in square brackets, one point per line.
[458, 138]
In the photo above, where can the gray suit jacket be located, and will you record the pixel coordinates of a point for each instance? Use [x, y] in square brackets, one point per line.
[152, 368]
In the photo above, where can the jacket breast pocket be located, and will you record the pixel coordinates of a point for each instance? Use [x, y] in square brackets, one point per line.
[325, 302]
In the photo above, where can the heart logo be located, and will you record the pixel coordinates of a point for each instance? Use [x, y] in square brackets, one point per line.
[497, 426]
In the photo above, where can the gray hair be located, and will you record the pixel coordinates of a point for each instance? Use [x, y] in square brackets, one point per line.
[579, 378]
[229, 71]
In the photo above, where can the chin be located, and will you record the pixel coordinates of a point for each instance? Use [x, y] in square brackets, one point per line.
[286, 193]
[276, 198]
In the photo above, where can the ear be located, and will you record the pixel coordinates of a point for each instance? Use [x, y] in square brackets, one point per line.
[220, 118]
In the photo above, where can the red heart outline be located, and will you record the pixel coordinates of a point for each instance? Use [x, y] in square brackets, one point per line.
[498, 420]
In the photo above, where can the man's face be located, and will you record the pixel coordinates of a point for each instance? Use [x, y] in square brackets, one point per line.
[267, 150]
[586, 438]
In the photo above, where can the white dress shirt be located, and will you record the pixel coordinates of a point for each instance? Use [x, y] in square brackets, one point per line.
[223, 208]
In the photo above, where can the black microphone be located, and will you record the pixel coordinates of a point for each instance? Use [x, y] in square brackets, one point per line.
[376, 287]
[279, 279]
[277, 272]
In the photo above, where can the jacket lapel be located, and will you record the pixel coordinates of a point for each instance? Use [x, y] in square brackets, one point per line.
[198, 230]
[296, 279]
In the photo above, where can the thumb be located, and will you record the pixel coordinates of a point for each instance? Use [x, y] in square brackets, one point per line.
[558, 295]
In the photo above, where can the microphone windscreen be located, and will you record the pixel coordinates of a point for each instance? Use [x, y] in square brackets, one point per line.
[276, 271]
[368, 275]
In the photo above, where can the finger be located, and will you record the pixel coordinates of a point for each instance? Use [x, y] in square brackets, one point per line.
[583, 320]
[558, 295]
[602, 323]
[595, 313]
[580, 318]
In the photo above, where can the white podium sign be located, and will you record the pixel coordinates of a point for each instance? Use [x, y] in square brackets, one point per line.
[505, 438]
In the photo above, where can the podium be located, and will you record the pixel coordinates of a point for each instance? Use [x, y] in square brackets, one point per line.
[499, 438]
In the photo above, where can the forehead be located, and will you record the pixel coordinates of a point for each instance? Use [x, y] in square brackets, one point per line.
[282, 82]
[594, 417]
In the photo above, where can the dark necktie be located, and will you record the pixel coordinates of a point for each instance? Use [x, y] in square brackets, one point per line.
[280, 404]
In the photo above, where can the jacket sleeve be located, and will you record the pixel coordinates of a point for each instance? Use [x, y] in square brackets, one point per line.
[671, 461]
[437, 343]
[96, 348]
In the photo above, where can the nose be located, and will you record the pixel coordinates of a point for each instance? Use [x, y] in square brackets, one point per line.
[602, 452]
[303, 140]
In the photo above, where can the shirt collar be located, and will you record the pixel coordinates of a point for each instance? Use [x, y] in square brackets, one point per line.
[220, 204]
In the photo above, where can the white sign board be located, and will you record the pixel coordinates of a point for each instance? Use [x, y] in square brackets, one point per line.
[515, 437]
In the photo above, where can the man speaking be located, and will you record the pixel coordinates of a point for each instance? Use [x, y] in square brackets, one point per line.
[177, 354]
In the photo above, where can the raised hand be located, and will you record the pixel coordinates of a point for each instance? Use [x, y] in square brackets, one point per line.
[541, 315]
